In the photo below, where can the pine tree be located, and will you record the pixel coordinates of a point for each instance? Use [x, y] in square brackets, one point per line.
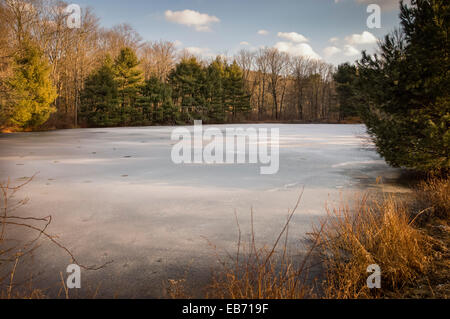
[99, 105]
[237, 100]
[128, 78]
[215, 75]
[345, 78]
[406, 90]
[188, 84]
[157, 102]
[32, 91]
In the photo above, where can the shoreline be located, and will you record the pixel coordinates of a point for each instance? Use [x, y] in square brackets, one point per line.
[12, 130]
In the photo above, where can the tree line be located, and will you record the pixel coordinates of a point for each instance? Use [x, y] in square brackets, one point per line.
[54, 76]
[117, 94]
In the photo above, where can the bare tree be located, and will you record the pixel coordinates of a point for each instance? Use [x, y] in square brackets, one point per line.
[158, 59]
[277, 62]
[262, 63]
[246, 61]
[123, 35]
[22, 18]
[299, 74]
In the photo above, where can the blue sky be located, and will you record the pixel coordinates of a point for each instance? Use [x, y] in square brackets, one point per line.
[210, 27]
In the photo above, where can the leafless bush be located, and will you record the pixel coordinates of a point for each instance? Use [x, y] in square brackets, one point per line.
[13, 251]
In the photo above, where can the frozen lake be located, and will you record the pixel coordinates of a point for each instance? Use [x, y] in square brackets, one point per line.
[115, 194]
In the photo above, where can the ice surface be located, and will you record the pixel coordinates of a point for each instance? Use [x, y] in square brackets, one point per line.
[115, 194]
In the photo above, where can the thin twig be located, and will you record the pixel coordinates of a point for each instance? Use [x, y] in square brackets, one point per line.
[285, 226]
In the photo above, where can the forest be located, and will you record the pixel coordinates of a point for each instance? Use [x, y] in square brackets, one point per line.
[53, 76]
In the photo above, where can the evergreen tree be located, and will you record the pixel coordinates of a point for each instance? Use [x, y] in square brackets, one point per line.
[128, 78]
[32, 91]
[188, 84]
[157, 102]
[406, 89]
[237, 100]
[215, 75]
[345, 78]
[99, 98]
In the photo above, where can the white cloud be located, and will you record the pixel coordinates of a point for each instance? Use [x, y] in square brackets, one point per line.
[263, 32]
[190, 18]
[363, 38]
[299, 49]
[177, 43]
[350, 50]
[330, 51]
[334, 40]
[293, 37]
[244, 43]
[203, 52]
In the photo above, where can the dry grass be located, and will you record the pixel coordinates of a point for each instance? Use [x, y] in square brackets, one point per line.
[376, 232]
[267, 272]
[176, 289]
[434, 194]
[432, 199]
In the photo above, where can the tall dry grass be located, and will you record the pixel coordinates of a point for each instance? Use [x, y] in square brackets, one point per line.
[433, 194]
[266, 272]
[377, 232]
